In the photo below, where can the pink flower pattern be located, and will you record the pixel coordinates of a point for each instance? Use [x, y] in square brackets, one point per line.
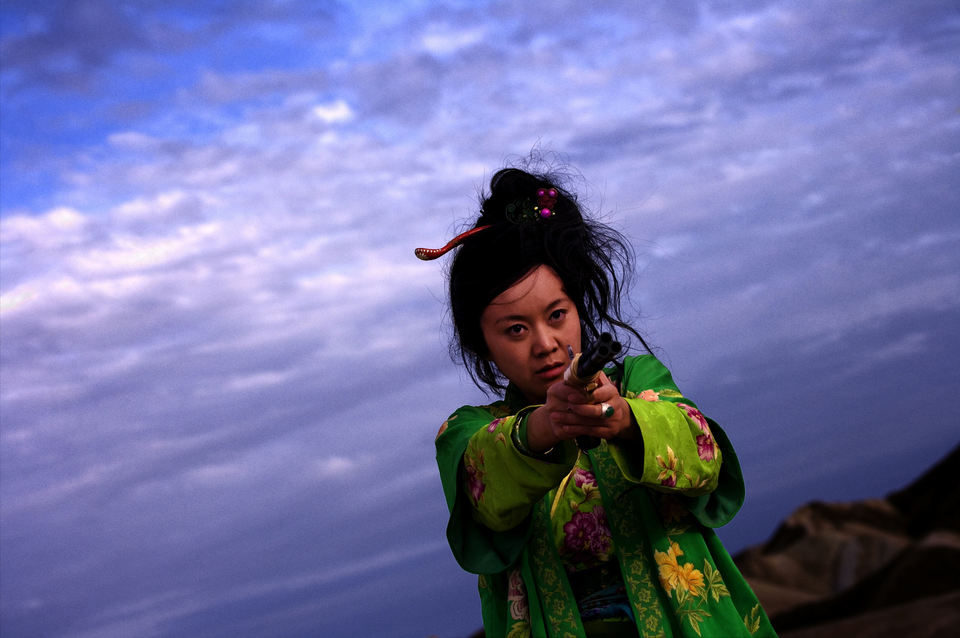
[582, 477]
[649, 395]
[587, 535]
[474, 470]
[494, 424]
[696, 416]
[706, 447]
[517, 597]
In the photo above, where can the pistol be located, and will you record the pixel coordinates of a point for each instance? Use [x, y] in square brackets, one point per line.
[584, 369]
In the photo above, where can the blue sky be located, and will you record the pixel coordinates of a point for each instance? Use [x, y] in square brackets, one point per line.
[223, 368]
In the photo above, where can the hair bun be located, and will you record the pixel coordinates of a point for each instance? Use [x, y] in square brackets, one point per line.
[519, 197]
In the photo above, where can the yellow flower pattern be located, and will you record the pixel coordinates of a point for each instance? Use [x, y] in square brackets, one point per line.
[682, 579]
[691, 586]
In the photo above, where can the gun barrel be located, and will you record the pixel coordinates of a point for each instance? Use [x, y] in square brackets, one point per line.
[597, 355]
[587, 366]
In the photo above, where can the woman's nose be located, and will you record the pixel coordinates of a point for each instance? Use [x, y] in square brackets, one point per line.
[544, 342]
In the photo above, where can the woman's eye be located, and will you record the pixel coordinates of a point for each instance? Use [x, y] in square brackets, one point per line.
[515, 329]
[558, 314]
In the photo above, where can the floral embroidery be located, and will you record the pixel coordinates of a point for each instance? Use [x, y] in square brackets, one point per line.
[691, 586]
[706, 448]
[752, 620]
[493, 426]
[582, 477]
[587, 482]
[558, 604]
[682, 579]
[639, 570]
[696, 416]
[669, 468]
[587, 535]
[519, 630]
[517, 597]
[473, 465]
[653, 625]
[443, 428]
[672, 467]
[649, 395]
[715, 584]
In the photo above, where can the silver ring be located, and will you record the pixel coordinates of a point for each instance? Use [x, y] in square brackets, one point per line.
[606, 410]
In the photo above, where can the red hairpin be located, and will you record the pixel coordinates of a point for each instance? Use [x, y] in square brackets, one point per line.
[426, 254]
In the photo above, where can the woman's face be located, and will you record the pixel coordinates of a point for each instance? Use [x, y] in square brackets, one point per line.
[528, 327]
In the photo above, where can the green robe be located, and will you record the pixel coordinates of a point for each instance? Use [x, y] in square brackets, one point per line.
[523, 522]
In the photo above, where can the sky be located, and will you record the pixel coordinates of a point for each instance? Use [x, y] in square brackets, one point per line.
[222, 369]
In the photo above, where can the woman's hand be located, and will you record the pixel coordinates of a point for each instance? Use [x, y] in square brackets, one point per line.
[570, 412]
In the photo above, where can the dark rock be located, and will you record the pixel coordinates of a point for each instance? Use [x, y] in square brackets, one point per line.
[916, 573]
[879, 561]
[934, 617]
[932, 501]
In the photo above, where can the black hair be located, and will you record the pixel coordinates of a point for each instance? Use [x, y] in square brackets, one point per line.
[593, 261]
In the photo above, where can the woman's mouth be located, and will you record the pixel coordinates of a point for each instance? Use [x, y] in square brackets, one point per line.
[552, 371]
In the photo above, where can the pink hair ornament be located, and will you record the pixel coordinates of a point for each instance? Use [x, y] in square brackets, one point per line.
[523, 211]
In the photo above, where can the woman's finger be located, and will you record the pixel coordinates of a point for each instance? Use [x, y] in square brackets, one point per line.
[606, 410]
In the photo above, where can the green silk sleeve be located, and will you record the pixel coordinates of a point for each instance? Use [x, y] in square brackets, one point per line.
[720, 506]
[490, 487]
[503, 483]
[681, 451]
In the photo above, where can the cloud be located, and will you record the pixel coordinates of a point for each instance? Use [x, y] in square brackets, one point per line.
[341, 467]
[223, 368]
[224, 88]
[338, 111]
[63, 47]
[441, 39]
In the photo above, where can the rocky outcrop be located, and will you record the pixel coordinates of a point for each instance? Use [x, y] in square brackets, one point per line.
[879, 567]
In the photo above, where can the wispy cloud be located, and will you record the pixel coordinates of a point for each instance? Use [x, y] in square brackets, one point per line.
[223, 369]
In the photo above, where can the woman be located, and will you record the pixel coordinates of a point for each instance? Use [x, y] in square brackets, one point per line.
[568, 539]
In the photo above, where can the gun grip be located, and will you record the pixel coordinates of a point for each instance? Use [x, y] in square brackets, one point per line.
[587, 442]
